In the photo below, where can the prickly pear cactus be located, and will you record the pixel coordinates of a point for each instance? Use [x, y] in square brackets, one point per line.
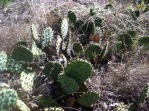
[47, 37]
[126, 40]
[64, 28]
[79, 70]
[3, 60]
[35, 32]
[26, 80]
[77, 48]
[52, 70]
[144, 94]
[92, 51]
[8, 99]
[47, 101]
[68, 84]
[22, 106]
[58, 44]
[88, 99]
[21, 53]
[14, 66]
[72, 17]
[144, 41]
[36, 51]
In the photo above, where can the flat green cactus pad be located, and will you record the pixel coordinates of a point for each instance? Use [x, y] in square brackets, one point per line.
[68, 84]
[72, 17]
[3, 60]
[14, 66]
[88, 99]
[144, 41]
[52, 70]
[79, 70]
[8, 99]
[47, 101]
[78, 48]
[27, 79]
[21, 53]
[92, 51]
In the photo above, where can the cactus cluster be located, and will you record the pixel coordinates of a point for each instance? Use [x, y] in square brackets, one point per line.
[65, 69]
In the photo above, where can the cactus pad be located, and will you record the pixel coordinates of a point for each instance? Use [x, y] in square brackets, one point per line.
[47, 101]
[35, 50]
[14, 67]
[8, 99]
[64, 28]
[79, 70]
[21, 53]
[52, 70]
[26, 79]
[3, 60]
[35, 33]
[68, 84]
[88, 99]
[72, 17]
[144, 41]
[78, 48]
[58, 44]
[126, 40]
[47, 37]
[92, 51]
[22, 106]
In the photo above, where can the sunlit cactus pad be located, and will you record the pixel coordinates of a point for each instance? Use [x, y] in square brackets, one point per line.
[22, 106]
[14, 66]
[8, 99]
[47, 37]
[64, 27]
[26, 79]
[3, 60]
